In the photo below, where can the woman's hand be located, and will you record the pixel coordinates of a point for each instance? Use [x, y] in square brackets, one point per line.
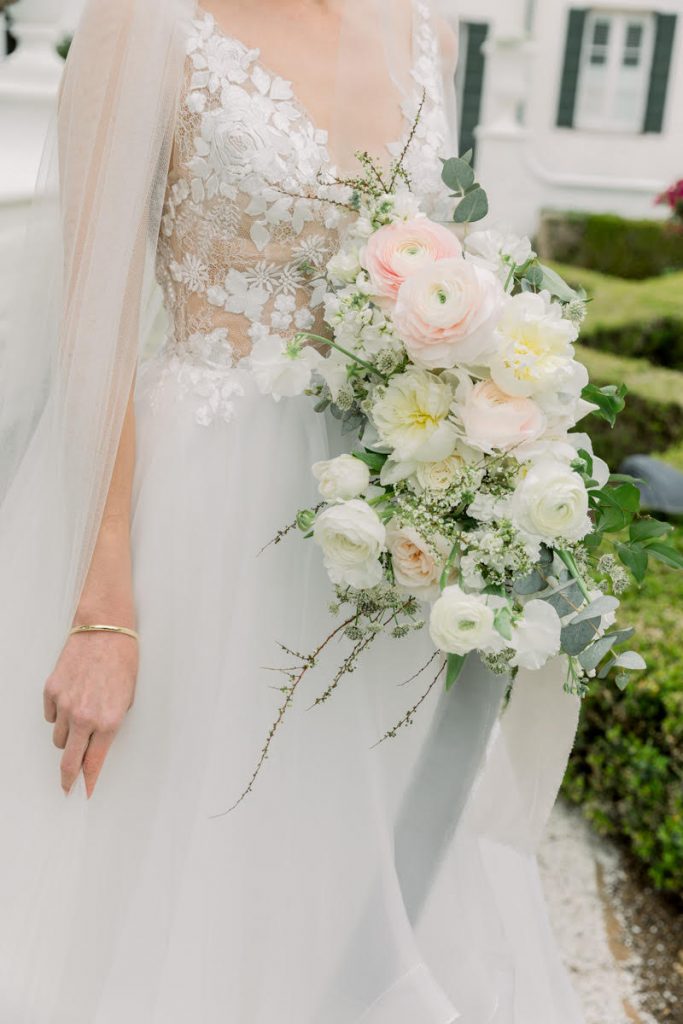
[87, 698]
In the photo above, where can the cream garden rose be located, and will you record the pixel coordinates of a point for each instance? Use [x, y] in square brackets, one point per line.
[460, 623]
[493, 420]
[439, 476]
[551, 502]
[342, 478]
[417, 567]
[446, 313]
[396, 251]
[352, 538]
[412, 417]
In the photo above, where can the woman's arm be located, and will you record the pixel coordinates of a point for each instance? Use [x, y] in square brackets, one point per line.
[93, 684]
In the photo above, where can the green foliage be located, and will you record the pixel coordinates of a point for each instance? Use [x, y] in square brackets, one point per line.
[458, 175]
[627, 767]
[64, 46]
[660, 341]
[645, 426]
[633, 249]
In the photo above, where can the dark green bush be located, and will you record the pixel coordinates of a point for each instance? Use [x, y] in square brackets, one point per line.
[627, 767]
[645, 426]
[634, 249]
[660, 341]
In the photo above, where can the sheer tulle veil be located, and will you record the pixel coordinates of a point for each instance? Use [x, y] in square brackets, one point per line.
[475, 796]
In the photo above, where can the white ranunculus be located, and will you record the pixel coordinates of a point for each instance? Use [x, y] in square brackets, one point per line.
[412, 417]
[535, 353]
[460, 623]
[283, 369]
[536, 637]
[551, 502]
[342, 478]
[417, 567]
[352, 538]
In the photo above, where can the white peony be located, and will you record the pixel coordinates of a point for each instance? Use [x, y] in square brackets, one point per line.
[417, 567]
[342, 478]
[282, 369]
[352, 538]
[534, 353]
[551, 502]
[461, 623]
[412, 417]
[345, 265]
[536, 637]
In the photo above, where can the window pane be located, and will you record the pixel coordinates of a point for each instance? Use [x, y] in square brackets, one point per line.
[601, 33]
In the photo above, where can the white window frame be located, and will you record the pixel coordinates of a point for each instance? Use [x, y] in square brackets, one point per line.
[590, 119]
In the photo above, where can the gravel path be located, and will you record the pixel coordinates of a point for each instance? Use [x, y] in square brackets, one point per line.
[574, 863]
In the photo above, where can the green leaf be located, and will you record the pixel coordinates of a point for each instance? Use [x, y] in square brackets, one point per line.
[586, 460]
[534, 276]
[530, 584]
[576, 638]
[503, 622]
[473, 207]
[468, 157]
[610, 400]
[457, 175]
[455, 666]
[649, 529]
[555, 284]
[374, 460]
[634, 558]
[627, 496]
[666, 553]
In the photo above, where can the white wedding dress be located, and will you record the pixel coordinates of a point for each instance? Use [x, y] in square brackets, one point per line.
[394, 885]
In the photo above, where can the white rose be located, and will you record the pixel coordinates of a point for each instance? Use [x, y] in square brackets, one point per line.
[461, 623]
[536, 637]
[535, 353]
[352, 538]
[416, 567]
[551, 502]
[345, 265]
[282, 369]
[493, 419]
[342, 478]
[412, 417]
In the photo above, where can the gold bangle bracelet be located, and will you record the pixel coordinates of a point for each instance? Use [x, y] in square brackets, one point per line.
[104, 629]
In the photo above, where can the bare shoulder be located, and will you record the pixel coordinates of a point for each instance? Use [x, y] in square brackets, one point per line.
[448, 39]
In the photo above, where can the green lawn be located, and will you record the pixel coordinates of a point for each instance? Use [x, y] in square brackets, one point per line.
[615, 301]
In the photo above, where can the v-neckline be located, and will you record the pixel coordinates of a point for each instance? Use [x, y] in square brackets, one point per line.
[218, 29]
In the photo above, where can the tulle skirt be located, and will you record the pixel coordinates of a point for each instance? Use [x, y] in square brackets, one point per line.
[384, 885]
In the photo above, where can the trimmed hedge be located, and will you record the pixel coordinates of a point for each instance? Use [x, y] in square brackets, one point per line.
[633, 249]
[644, 427]
[660, 341]
[627, 766]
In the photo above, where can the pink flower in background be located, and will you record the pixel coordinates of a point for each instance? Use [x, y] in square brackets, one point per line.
[397, 250]
[673, 198]
[446, 313]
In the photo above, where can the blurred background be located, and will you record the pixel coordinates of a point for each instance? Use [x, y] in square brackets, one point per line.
[575, 116]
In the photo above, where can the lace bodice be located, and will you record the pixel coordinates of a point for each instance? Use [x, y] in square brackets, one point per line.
[245, 233]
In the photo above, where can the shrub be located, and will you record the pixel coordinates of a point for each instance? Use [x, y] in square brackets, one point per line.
[660, 341]
[627, 767]
[634, 249]
[645, 426]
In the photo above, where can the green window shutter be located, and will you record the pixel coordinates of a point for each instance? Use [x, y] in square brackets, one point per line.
[473, 85]
[570, 72]
[661, 69]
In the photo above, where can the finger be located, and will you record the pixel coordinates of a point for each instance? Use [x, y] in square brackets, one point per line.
[49, 708]
[95, 755]
[60, 733]
[72, 760]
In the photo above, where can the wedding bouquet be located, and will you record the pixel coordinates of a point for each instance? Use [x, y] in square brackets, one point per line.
[470, 504]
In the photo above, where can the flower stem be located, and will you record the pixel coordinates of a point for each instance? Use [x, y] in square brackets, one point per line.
[443, 581]
[570, 562]
[344, 352]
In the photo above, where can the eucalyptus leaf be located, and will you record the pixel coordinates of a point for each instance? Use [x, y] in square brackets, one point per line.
[631, 660]
[474, 207]
[601, 606]
[566, 599]
[593, 655]
[454, 667]
[531, 584]
[503, 623]
[534, 276]
[576, 638]
[457, 174]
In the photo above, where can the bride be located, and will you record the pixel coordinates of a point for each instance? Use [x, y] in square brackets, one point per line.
[140, 481]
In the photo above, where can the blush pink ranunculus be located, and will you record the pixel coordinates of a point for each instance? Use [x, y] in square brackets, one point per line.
[446, 314]
[397, 250]
[496, 421]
